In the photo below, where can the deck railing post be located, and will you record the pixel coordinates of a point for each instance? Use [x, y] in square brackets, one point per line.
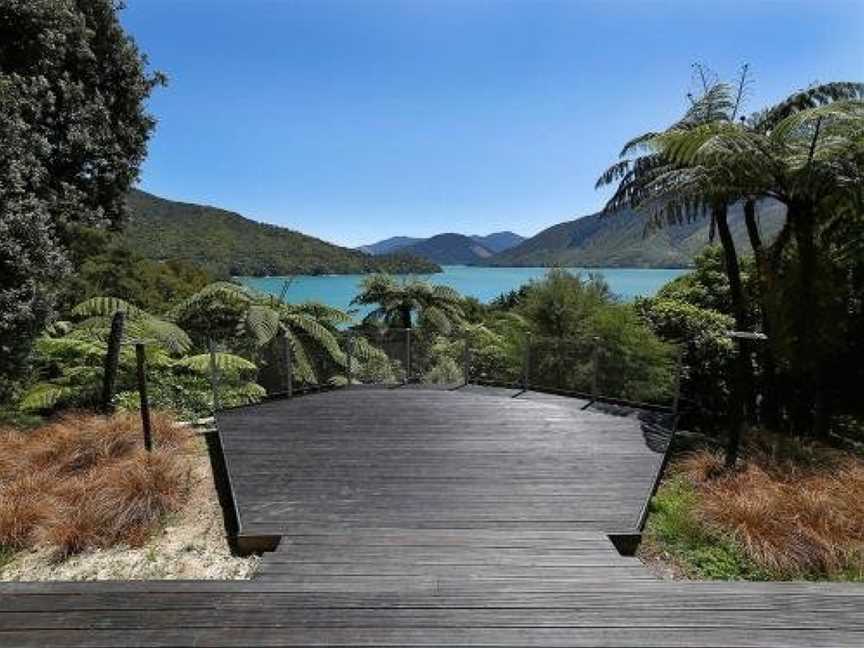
[112, 361]
[595, 370]
[214, 374]
[287, 366]
[407, 371]
[142, 393]
[349, 351]
[676, 395]
[466, 360]
[526, 363]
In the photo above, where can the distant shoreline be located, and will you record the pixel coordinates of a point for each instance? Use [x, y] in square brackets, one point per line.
[479, 267]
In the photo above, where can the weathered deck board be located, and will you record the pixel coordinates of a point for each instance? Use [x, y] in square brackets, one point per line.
[414, 458]
[415, 517]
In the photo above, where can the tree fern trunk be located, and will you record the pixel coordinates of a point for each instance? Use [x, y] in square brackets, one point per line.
[405, 314]
[112, 361]
[740, 393]
[770, 406]
[807, 313]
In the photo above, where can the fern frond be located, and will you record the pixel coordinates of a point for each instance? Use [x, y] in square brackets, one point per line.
[262, 322]
[302, 366]
[70, 348]
[166, 334]
[225, 363]
[44, 396]
[106, 307]
[322, 336]
[244, 394]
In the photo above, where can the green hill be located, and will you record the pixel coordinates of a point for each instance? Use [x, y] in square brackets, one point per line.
[226, 243]
[621, 240]
[450, 249]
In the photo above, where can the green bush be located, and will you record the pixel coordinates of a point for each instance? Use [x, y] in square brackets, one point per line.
[569, 317]
[708, 350]
[675, 528]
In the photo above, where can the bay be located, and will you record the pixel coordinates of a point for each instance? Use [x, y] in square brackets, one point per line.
[483, 283]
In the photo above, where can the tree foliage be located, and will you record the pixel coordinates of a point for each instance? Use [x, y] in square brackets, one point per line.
[74, 128]
[398, 302]
[69, 361]
[253, 325]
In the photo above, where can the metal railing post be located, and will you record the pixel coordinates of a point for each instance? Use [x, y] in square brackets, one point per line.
[676, 396]
[595, 370]
[349, 350]
[407, 355]
[288, 366]
[466, 360]
[214, 374]
[142, 393]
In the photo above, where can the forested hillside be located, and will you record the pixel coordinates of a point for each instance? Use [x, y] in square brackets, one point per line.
[621, 240]
[226, 243]
[450, 249]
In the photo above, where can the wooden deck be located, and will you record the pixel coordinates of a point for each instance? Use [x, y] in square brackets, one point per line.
[418, 458]
[414, 517]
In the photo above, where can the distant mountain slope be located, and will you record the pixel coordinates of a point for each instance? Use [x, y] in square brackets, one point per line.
[229, 244]
[621, 240]
[389, 245]
[499, 241]
[450, 249]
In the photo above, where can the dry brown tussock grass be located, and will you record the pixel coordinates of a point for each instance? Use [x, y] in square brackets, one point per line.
[796, 508]
[84, 481]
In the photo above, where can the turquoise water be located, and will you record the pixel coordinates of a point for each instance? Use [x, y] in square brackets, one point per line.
[483, 283]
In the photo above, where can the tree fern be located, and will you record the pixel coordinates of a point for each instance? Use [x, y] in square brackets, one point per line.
[45, 396]
[105, 307]
[262, 323]
[302, 367]
[247, 393]
[225, 363]
[318, 333]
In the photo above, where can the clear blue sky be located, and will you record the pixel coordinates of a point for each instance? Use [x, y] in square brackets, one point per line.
[355, 121]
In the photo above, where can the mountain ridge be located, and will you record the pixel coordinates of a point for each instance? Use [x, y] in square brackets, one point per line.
[448, 247]
[621, 239]
[227, 243]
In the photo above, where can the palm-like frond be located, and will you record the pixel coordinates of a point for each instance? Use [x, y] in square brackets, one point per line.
[262, 323]
[221, 291]
[166, 334]
[247, 393]
[323, 313]
[320, 334]
[812, 97]
[302, 366]
[434, 316]
[225, 363]
[840, 111]
[105, 307]
[70, 348]
[97, 314]
[45, 396]
[396, 298]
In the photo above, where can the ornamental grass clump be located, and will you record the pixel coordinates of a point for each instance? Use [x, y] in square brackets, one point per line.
[85, 481]
[796, 509]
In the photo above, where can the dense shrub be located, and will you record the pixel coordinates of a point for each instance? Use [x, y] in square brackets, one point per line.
[569, 316]
[707, 350]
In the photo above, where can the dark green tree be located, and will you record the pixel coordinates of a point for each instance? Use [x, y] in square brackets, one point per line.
[74, 132]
